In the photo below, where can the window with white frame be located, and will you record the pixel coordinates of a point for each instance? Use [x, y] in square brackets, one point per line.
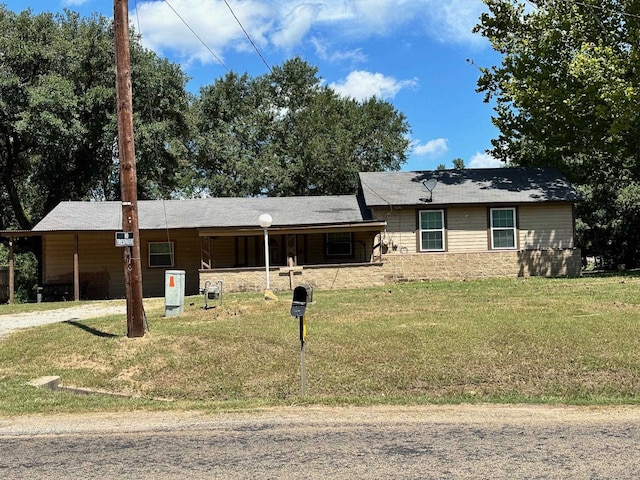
[339, 244]
[161, 254]
[432, 231]
[503, 228]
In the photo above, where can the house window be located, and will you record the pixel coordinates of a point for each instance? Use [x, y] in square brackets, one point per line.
[503, 228]
[339, 244]
[432, 230]
[161, 254]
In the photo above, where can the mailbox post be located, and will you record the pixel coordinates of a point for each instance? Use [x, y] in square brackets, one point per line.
[301, 295]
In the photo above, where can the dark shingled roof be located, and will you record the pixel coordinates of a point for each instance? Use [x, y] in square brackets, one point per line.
[468, 186]
[207, 212]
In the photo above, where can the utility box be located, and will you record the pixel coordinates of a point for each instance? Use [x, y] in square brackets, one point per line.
[174, 281]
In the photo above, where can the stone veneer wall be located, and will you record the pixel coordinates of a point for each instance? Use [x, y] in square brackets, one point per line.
[445, 266]
[406, 267]
[324, 277]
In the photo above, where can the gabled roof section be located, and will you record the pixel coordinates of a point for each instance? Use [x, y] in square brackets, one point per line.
[207, 212]
[467, 186]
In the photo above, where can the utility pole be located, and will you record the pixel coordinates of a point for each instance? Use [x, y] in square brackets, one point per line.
[128, 179]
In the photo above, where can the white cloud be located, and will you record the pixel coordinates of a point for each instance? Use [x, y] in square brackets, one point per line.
[287, 24]
[324, 51]
[433, 148]
[295, 25]
[454, 20]
[163, 27]
[362, 85]
[73, 3]
[484, 160]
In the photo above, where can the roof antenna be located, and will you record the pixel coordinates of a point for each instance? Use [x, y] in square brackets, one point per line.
[428, 186]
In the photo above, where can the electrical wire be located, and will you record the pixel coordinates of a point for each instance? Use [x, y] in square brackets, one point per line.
[255, 47]
[197, 36]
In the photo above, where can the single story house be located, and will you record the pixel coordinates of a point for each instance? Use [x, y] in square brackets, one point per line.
[400, 226]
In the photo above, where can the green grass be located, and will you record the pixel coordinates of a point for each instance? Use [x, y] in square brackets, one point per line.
[505, 340]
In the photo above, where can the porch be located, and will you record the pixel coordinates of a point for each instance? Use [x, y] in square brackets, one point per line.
[325, 257]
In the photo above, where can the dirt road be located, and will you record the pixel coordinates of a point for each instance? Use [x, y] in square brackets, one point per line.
[463, 442]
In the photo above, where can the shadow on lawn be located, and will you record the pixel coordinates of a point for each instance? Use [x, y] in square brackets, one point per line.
[92, 331]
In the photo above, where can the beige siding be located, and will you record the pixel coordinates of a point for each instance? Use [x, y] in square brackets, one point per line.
[541, 227]
[467, 229]
[187, 258]
[546, 226]
[400, 235]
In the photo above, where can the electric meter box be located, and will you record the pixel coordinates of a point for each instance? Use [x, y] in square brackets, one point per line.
[174, 281]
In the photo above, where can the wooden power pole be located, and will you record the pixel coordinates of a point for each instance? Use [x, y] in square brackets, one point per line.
[128, 179]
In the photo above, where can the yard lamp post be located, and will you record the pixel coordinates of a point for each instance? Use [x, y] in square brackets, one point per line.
[265, 221]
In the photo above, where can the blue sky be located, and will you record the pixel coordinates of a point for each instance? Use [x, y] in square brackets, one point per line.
[412, 53]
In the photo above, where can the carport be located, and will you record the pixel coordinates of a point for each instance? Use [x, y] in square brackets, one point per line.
[11, 237]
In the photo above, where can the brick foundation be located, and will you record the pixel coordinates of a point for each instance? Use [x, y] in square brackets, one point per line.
[445, 266]
[406, 267]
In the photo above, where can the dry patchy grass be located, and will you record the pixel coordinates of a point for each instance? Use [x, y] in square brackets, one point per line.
[536, 340]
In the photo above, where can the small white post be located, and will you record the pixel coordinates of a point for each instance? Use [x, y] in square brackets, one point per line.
[265, 221]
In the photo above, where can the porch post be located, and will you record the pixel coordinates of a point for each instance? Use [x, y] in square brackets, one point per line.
[76, 271]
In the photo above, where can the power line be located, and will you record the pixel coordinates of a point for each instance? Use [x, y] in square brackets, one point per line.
[247, 35]
[255, 47]
[197, 36]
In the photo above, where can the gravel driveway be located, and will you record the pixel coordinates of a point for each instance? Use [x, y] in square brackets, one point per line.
[11, 322]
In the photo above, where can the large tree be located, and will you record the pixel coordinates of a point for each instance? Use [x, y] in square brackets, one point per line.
[567, 94]
[58, 126]
[284, 133]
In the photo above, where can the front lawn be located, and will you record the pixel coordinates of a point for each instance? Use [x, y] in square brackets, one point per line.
[502, 340]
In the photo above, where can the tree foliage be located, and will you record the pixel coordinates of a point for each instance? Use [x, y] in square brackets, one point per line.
[284, 133]
[58, 124]
[567, 94]
[458, 164]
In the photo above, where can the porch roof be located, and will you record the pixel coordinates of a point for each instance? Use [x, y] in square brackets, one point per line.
[226, 212]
